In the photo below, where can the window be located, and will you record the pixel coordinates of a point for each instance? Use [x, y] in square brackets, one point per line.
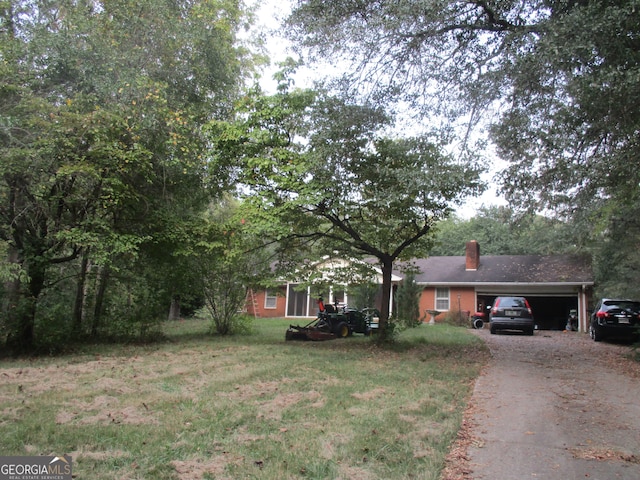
[270, 300]
[297, 301]
[442, 299]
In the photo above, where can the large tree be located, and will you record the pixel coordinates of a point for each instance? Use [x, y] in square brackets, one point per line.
[505, 231]
[556, 81]
[320, 171]
[563, 76]
[102, 155]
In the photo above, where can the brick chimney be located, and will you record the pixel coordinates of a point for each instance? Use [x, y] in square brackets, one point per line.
[473, 255]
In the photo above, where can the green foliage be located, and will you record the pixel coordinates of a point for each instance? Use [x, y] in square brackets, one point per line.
[564, 73]
[615, 252]
[103, 157]
[503, 231]
[408, 301]
[323, 179]
[230, 262]
[136, 313]
[569, 133]
[363, 295]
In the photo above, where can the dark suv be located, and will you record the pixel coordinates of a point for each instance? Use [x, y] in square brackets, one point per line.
[511, 313]
[615, 318]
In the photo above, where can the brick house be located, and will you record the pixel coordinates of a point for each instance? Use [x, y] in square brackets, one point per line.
[292, 300]
[553, 284]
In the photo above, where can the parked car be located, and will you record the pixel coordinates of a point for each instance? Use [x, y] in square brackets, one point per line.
[511, 313]
[615, 318]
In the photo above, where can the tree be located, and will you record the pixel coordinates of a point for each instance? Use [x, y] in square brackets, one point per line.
[558, 80]
[363, 294]
[503, 231]
[320, 173]
[615, 231]
[562, 72]
[100, 137]
[229, 263]
[409, 300]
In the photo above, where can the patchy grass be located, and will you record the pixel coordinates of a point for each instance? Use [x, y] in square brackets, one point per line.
[201, 407]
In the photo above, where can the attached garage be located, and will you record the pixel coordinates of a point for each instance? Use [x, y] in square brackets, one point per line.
[550, 310]
[551, 313]
[553, 284]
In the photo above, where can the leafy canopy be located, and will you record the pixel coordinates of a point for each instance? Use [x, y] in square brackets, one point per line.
[561, 79]
[556, 82]
[319, 173]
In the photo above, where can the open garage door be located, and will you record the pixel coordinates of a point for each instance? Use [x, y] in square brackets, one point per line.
[549, 311]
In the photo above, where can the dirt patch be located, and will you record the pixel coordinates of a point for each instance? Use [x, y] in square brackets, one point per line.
[105, 410]
[354, 473]
[370, 395]
[100, 456]
[197, 469]
[273, 409]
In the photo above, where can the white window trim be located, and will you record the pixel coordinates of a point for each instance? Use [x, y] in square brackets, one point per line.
[270, 301]
[442, 298]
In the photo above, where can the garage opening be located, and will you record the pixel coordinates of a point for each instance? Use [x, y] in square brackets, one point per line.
[549, 312]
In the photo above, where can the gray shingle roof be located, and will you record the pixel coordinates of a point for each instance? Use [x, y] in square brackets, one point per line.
[566, 269]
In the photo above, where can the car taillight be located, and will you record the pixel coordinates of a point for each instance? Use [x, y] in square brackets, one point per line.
[495, 306]
[602, 315]
[526, 302]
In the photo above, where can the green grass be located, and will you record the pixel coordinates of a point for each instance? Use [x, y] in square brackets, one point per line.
[202, 407]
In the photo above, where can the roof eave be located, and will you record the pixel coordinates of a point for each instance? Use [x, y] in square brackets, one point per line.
[512, 284]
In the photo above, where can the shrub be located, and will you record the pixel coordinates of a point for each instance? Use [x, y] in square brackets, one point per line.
[236, 324]
[408, 298]
[457, 318]
[363, 295]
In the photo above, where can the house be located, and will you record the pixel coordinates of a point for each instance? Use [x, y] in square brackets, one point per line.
[553, 285]
[293, 299]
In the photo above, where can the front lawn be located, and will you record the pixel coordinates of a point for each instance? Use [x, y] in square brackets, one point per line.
[202, 407]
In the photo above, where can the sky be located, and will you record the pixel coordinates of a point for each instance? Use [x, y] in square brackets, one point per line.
[271, 14]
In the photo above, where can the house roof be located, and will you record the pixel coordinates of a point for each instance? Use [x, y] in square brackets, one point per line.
[506, 269]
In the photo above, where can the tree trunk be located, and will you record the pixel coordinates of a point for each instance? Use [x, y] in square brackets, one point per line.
[387, 270]
[78, 307]
[174, 309]
[12, 298]
[23, 306]
[103, 278]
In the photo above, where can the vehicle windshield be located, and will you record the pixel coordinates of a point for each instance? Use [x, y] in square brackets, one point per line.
[513, 302]
[623, 305]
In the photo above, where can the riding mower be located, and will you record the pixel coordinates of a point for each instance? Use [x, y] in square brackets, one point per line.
[334, 321]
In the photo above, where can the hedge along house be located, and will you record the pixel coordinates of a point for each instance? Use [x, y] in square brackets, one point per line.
[295, 299]
[553, 284]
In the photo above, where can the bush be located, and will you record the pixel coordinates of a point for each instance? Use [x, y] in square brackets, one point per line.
[391, 332]
[237, 324]
[408, 298]
[458, 318]
[363, 295]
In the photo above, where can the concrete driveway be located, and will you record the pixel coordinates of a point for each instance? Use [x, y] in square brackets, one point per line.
[554, 406]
